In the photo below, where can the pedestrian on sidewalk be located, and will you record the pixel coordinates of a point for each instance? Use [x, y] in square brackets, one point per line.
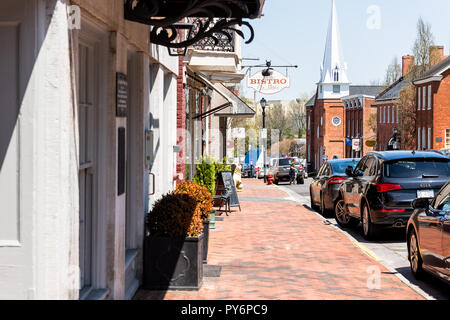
[292, 173]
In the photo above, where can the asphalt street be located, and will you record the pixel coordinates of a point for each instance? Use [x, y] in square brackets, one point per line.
[390, 250]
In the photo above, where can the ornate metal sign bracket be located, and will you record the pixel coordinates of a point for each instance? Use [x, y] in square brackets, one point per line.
[215, 20]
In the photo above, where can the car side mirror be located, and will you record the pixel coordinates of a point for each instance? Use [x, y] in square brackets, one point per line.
[422, 203]
[349, 171]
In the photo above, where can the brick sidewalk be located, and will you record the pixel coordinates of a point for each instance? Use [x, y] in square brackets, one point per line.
[282, 251]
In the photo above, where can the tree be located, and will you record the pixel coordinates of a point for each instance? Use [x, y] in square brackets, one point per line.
[393, 72]
[371, 122]
[297, 114]
[421, 48]
[407, 100]
[278, 120]
[407, 109]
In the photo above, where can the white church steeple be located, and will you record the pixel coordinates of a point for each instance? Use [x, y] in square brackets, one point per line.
[334, 82]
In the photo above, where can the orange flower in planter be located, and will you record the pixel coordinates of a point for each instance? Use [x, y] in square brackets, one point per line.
[200, 193]
[175, 215]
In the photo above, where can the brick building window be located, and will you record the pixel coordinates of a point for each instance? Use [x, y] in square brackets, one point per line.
[447, 138]
[384, 114]
[429, 138]
[424, 141]
[397, 115]
[418, 98]
[393, 114]
[388, 113]
[418, 138]
[429, 97]
[424, 101]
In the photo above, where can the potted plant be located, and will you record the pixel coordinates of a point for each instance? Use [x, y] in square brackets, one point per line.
[205, 174]
[204, 200]
[173, 246]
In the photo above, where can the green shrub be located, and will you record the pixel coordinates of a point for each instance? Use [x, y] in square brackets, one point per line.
[222, 166]
[205, 174]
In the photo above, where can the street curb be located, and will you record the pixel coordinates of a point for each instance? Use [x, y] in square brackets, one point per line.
[295, 197]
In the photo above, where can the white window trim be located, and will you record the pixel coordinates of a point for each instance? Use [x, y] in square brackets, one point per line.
[384, 114]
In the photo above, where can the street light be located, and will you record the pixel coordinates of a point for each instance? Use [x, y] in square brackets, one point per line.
[263, 106]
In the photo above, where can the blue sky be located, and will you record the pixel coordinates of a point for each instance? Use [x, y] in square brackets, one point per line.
[294, 32]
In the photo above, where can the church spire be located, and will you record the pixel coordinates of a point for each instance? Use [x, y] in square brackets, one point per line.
[333, 70]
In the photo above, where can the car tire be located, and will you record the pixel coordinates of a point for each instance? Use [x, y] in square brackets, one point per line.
[301, 181]
[414, 256]
[342, 217]
[276, 182]
[370, 231]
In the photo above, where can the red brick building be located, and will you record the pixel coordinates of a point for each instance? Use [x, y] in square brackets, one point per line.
[358, 109]
[433, 107]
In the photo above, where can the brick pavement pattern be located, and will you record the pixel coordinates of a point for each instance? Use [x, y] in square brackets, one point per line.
[283, 251]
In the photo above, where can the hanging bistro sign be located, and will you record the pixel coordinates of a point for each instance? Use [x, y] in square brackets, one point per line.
[268, 85]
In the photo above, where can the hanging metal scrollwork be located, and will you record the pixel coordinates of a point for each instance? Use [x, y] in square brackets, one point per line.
[210, 27]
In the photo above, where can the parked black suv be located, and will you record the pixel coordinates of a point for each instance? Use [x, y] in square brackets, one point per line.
[383, 185]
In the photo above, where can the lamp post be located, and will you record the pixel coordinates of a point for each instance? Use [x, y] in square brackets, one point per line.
[263, 106]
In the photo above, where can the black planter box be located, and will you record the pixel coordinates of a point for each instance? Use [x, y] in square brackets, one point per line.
[205, 241]
[173, 263]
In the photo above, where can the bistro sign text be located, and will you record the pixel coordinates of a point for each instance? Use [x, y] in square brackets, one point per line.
[268, 85]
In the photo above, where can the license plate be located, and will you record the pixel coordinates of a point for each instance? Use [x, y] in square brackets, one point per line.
[425, 194]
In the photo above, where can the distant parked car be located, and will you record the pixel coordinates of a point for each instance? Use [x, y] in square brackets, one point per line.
[381, 188]
[281, 171]
[301, 172]
[248, 171]
[324, 190]
[260, 171]
[428, 235]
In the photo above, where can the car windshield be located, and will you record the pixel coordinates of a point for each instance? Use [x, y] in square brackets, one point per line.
[284, 162]
[417, 168]
[339, 167]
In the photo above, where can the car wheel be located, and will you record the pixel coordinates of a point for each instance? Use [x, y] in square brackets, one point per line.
[369, 229]
[342, 216]
[415, 259]
[301, 181]
[276, 182]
